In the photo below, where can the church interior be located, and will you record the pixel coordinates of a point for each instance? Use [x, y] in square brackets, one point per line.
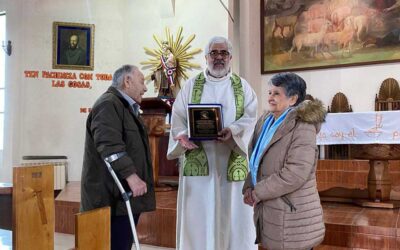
[47, 98]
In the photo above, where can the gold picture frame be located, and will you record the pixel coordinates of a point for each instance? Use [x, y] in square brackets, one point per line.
[73, 46]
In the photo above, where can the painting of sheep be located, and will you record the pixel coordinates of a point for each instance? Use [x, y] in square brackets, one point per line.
[312, 34]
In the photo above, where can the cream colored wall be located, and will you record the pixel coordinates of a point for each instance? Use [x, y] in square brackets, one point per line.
[359, 84]
[42, 120]
[13, 89]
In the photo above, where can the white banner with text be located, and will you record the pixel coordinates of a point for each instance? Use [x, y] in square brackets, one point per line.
[360, 128]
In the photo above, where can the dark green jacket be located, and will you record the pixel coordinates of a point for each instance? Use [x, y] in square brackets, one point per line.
[111, 127]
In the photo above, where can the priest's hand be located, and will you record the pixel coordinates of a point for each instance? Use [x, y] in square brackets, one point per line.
[185, 142]
[136, 184]
[225, 134]
[248, 198]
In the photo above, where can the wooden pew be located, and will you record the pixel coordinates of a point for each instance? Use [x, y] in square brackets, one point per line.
[33, 207]
[92, 229]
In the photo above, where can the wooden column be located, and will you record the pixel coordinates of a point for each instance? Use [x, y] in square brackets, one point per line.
[154, 114]
[379, 183]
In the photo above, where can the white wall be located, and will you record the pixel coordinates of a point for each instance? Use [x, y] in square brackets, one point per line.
[12, 130]
[359, 84]
[41, 120]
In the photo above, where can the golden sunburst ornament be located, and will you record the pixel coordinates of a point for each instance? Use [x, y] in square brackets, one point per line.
[170, 62]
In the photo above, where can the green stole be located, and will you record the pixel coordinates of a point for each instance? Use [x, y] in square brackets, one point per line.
[195, 161]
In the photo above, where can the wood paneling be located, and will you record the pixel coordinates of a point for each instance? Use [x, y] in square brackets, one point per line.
[159, 227]
[353, 227]
[352, 175]
[357, 227]
[66, 206]
[347, 226]
[166, 167]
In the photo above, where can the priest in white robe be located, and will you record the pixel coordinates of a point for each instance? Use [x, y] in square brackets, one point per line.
[211, 213]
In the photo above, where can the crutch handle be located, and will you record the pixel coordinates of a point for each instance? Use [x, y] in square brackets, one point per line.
[127, 195]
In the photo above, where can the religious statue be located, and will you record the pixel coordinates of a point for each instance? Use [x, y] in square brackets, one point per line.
[169, 63]
[165, 76]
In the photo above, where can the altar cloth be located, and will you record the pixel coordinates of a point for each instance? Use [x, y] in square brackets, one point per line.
[380, 127]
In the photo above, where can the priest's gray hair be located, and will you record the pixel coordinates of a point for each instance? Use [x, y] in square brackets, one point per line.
[119, 74]
[218, 39]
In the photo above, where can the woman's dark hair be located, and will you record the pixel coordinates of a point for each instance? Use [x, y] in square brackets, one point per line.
[292, 84]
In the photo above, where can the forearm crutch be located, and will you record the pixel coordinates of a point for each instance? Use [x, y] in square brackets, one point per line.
[125, 196]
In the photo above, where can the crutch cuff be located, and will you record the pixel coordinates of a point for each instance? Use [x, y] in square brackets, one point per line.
[114, 157]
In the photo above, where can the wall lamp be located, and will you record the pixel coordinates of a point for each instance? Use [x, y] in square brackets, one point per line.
[7, 47]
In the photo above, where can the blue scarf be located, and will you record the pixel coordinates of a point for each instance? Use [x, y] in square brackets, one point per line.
[268, 131]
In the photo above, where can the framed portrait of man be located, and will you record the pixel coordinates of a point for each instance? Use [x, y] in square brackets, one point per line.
[73, 46]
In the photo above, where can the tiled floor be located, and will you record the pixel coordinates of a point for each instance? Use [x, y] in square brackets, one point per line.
[61, 242]
[66, 241]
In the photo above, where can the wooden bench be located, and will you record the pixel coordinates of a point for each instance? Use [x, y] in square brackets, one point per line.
[92, 231]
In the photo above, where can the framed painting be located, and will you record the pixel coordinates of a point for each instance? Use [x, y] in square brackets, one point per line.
[73, 46]
[313, 34]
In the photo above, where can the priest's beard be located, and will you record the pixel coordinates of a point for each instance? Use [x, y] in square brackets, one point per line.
[217, 71]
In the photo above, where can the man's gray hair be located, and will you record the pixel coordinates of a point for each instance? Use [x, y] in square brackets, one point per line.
[119, 74]
[218, 39]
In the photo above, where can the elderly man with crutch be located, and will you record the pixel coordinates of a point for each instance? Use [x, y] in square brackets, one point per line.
[117, 157]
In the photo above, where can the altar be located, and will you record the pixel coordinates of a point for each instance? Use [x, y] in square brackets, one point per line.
[373, 136]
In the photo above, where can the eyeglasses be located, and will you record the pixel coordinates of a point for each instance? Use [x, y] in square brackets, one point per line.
[223, 53]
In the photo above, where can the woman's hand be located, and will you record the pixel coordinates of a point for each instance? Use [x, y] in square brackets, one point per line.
[256, 200]
[248, 198]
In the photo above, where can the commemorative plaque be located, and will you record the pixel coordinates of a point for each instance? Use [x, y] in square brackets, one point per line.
[204, 121]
